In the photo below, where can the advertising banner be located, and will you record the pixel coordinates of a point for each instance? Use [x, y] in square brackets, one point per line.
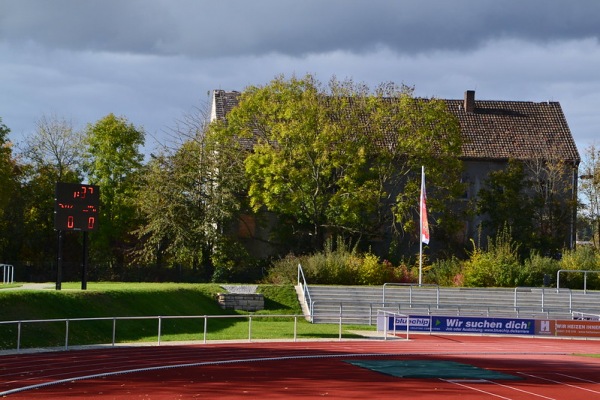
[502, 326]
[417, 323]
[577, 328]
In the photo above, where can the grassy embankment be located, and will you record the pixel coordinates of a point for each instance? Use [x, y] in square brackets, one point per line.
[143, 299]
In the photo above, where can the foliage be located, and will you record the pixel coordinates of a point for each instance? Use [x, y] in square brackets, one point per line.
[9, 192]
[338, 265]
[113, 161]
[341, 159]
[444, 272]
[187, 198]
[584, 258]
[534, 199]
[6, 165]
[52, 154]
[537, 268]
[56, 145]
[496, 266]
[590, 190]
[550, 182]
[504, 202]
[232, 263]
[499, 265]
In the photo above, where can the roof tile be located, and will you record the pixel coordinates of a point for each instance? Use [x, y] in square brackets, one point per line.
[495, 130]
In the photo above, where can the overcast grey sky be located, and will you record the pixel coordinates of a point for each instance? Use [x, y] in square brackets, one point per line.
[152, 61]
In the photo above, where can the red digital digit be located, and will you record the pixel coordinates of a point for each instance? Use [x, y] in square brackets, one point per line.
[70, 222]
[91, 221]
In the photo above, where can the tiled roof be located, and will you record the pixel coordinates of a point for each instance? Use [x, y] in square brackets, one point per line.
[514, 129]
[494, 130]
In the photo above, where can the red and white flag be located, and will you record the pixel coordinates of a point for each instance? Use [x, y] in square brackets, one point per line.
[423, 210]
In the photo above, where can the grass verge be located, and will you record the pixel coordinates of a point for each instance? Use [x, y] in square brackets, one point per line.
[140, 300]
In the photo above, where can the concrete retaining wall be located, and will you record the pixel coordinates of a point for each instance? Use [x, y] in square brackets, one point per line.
[239, 301]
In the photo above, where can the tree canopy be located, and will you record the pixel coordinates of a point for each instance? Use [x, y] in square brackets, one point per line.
[114, 160]
[344, 159]
[590, 189]
[9, 191]
[185, 199]
[529, 197]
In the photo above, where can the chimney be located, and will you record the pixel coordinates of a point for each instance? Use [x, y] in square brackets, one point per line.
[469, 101]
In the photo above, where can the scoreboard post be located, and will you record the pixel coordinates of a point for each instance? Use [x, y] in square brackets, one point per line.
[75, 209]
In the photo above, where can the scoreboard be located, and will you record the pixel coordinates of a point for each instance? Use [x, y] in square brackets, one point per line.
[76, 207]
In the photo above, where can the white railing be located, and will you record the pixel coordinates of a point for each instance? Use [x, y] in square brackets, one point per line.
[410, 290]
[585, 316]
[8, 273]
[383, 318]
[159, 325]
[364, 312]
[585, 274]
[525, 289]
[305, 293]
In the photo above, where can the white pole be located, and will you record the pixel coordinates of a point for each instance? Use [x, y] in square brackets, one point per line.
[421, 226]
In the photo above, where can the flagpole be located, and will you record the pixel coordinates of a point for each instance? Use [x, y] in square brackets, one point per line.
[421, 226]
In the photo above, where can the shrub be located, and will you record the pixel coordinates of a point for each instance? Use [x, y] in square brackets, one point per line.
[338, 266]
[405, 274]
[232, 263]
[284, 271]
[584, 258]
[373, 272]
[499, 265]
[535, 268]
[444, 272]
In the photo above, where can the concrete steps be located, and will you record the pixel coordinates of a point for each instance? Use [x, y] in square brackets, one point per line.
[359, 304]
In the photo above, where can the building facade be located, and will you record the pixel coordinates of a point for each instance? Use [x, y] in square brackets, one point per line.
[493, 132]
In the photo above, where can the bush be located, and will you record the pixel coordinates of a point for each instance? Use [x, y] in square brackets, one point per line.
[338, 266]
[498, 266]
[584, 258]
[535, 268]
[444, 272]
[233, 264]
[373, 272]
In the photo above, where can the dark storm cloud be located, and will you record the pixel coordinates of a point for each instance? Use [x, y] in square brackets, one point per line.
[295, 28]
[153, 60]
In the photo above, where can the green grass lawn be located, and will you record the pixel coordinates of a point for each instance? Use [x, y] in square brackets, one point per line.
[105, 299]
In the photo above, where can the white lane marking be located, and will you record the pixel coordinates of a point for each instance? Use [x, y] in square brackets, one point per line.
[578, 378]
[475, 389]
[523, 391]
[559, 382]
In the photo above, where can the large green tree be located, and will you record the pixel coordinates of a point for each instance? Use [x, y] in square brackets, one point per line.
[6, 165]
[504, 203]
[185, 200]
[113, 162]
[56, 144]
[9, 192]
[534, 199]
[344, 159]
[590, 189]
[51, 154]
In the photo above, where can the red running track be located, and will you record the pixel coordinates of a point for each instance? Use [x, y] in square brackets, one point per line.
[548, 368]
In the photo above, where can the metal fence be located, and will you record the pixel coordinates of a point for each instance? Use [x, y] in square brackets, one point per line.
[202, 336]
[8, 273]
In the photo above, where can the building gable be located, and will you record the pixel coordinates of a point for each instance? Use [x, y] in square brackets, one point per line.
[523, 130]
[491, 130]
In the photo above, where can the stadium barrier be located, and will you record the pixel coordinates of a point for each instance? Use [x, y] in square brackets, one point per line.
[202, 337]
[582, 325]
